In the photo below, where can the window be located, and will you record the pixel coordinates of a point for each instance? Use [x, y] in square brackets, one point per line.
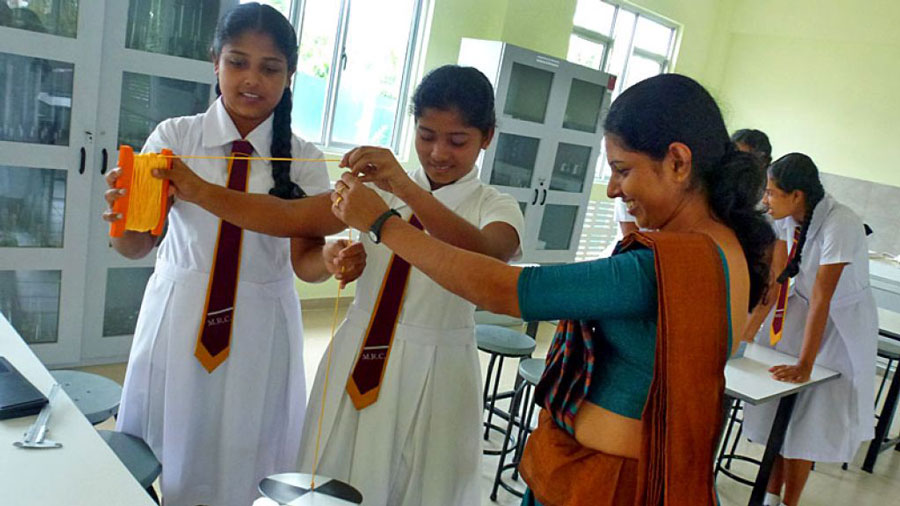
[633, 46]
[354, 67]
[628, 44]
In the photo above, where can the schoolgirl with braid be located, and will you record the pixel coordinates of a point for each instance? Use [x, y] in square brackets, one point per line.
[215, 383]
[825, 314]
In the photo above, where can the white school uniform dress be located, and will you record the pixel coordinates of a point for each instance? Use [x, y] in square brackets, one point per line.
[217, 434]
[830, 420]
[419, 443]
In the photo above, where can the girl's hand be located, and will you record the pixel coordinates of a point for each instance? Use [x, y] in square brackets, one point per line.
[185, 185]
[798, 373]
[345, 260]
[355, 204]
[378, 165]
[112, 195]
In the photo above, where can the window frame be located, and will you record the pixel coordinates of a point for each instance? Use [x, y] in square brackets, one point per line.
[665, 60]
[414, 47]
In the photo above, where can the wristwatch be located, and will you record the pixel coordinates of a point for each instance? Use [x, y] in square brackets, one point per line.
[375, 229]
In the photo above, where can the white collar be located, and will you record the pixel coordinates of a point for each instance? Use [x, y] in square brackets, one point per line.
[219, 130]
[820, 213]
[452, 194]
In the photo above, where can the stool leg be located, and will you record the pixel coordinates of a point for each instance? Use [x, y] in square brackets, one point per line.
[737, 439]
[727, 437]
[887, 371]
[487, 380]
[514, 406]
[493, 399]
[524, 429]
[152, 494]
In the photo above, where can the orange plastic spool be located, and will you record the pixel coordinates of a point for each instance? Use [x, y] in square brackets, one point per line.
[145, 203]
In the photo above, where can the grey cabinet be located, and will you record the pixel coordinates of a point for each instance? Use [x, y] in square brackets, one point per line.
[549, 133]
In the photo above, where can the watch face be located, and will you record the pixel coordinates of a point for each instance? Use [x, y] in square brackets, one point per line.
[374, 237]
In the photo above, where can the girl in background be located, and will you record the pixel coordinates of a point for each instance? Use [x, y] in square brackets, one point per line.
[829, 318]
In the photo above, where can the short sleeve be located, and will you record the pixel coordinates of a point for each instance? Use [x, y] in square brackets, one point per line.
[842, 235]
[312, 177]
[620, 212]
[621, 286]
[500, 207]
[164, 136]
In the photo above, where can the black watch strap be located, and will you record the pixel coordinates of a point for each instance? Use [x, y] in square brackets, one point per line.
[375, 229]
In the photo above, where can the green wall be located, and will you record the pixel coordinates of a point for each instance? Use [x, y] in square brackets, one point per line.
[821, 78]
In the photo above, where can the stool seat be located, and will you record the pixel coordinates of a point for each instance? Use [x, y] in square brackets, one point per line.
[531, 370]
[503, 341]
[97, 397]
[888, 348]
[134, 454]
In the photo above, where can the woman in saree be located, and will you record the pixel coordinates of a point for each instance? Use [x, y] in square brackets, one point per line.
[633, 389]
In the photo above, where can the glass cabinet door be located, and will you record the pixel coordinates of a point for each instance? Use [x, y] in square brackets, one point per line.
[514, 161]
[583, 106]
[557, 227]
[528, 93]
[172, 27]
[570, 168]
[158, 68]
[49, 74]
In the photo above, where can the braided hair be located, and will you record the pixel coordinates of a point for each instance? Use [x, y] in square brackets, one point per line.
[649, 116]
[267, 20]
[797, 172]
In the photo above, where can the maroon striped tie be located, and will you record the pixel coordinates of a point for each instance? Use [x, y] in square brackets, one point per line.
[365, 379]
[778, 320]
[214, 340]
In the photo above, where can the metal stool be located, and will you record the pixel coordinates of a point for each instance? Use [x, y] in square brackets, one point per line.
[530, 371]
[500, 343]
[137, 458]
[97, 397]
[735, 407]
[889, 348]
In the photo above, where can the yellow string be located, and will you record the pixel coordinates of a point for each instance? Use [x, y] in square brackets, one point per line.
[334, 318]
[269, 158]
[145, 194]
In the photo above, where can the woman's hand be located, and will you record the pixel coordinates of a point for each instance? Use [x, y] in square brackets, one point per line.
[344, 259]
[798, 373]
[355, 204]
[112, 195]
[185, 185]
[378, 165]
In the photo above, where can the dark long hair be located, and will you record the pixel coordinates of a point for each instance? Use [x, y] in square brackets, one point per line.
[464, 89]
[267, 20]
[796, 171]
[654, 113]
[757, 141]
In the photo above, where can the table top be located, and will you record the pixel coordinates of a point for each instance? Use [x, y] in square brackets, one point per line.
[747, 377]
[83, 471]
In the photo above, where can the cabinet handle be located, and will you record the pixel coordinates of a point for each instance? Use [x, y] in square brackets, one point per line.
[534, 200]
[544, 197]
[104, 156]
[83, 157]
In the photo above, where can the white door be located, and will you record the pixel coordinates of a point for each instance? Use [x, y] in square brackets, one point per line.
[49, 68]
[155, 66]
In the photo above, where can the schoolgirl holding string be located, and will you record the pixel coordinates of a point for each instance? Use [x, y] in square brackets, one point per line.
[215, 383]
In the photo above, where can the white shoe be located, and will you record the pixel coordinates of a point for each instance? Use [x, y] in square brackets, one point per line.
[772, 500]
